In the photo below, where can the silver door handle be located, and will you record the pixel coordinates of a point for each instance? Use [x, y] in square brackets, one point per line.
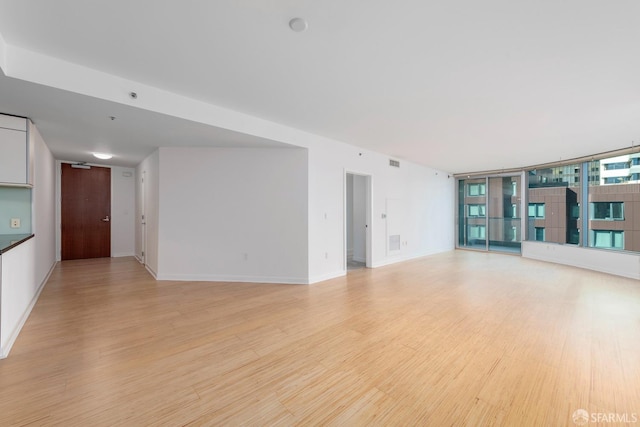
[106, 218]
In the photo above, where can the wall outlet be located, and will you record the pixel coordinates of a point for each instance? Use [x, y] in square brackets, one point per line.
[15, 222]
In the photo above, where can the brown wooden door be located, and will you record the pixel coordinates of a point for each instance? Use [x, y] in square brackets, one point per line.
[86, 212]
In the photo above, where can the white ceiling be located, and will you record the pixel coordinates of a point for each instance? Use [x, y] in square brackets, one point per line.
[458, 85]
[75, 126]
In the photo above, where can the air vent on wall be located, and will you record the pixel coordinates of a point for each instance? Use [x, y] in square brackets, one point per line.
[394, 163]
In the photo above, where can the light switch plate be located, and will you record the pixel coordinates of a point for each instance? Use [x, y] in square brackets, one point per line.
[15, 222]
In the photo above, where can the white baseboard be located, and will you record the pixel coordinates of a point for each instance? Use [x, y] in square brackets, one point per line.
[122, 254]
[151, 271]
[25, 315]
[399, 258]
[233, 278]
[327, 276]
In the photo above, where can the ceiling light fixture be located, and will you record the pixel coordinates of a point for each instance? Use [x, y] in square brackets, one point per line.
[102, 156]
[298, 25]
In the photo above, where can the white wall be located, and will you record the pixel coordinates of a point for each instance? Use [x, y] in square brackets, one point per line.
[191, 192]
[44, 207]
[233, 214]
[123, 211]
[427, 197]
[613, 262]
[26, 268]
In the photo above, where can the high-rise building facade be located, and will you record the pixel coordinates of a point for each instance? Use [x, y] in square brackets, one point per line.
[612, 211]
[592, 204]
[620, 169]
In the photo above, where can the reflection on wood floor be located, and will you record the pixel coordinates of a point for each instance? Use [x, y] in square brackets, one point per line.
[459, 338]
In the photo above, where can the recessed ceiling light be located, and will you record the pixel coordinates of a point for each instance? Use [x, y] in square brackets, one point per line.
[102, 156]
[298, 25]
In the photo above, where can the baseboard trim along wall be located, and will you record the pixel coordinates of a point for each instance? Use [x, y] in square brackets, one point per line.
[23, 319]
[225, 278]
[151, 271]
[400, 258]
[123, 254]
[328, 276]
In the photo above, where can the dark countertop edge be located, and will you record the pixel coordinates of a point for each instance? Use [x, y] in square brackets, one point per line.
[7, 248]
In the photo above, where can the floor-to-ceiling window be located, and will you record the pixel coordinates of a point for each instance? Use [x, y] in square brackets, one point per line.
[472, 213]
[614, 203]
[490, 213]
[504, 214]
[554, 199]
[592, 203]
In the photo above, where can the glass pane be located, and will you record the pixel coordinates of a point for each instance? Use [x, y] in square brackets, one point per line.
[504, 215]
[471, 214]
[556, 197]
[618, 239]
[616, 210]
[613, 186]
[602, 239]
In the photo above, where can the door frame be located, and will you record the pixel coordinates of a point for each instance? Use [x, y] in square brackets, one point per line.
[143, 218]
[368, 216]
[58, 203]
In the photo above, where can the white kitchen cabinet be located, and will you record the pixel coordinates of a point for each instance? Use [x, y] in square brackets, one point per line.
[15, 151]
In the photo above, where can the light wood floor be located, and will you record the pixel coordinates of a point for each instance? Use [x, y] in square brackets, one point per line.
[461, 338]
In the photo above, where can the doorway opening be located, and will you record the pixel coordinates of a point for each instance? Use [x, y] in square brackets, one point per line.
[143, 219]
[357, 242]
[85, 211]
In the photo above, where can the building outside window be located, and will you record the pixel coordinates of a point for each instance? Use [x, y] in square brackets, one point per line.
[617, 165]
[574, 211]
[607, 239]
[607, 210]
[553, 195]
[619, 169]
[477, 189]
[477, 210]
[477, 232]
[488, 212]
[536, 210]
[590, 204]
[611, 211]
[616, 179]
